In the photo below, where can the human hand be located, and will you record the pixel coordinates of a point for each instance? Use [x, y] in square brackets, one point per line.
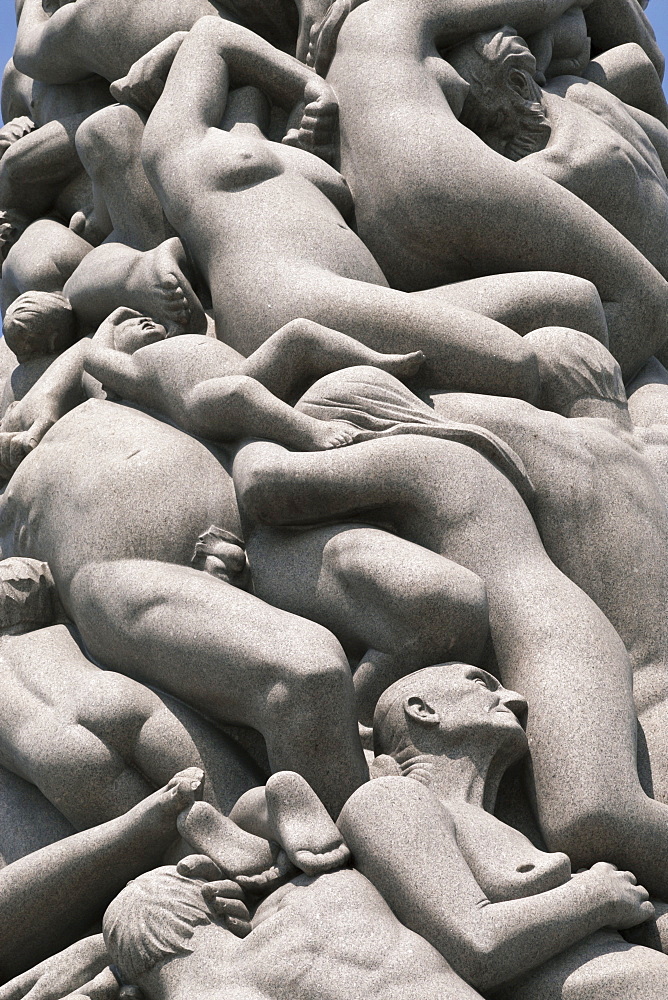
[319, 121]
[628, 902]
[142, 85]
[224, 897]
[20, 432]
[13, 131]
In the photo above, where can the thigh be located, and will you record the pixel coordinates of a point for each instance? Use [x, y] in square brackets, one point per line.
[529, 300]
[371, 588]
[216, 647]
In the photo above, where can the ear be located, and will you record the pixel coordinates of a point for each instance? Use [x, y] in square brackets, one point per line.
[421, 711]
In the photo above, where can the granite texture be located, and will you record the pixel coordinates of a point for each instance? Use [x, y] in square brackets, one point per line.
[334, 501]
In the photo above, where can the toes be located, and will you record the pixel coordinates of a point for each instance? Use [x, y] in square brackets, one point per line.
[185, 785]
[314, 864]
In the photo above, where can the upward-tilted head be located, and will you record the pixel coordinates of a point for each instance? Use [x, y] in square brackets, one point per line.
[450, 709]
[504, 105]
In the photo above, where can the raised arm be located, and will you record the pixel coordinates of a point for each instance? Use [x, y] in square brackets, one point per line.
[195, 94]
[403, 840]
[46, 45]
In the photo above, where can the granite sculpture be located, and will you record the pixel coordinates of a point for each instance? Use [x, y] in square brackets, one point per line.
[333, 501]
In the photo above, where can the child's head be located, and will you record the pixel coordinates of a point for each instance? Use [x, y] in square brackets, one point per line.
[39, 323]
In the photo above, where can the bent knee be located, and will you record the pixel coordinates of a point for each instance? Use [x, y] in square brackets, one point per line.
[102, 138]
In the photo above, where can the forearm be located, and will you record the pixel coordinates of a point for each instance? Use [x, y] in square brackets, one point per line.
[253, 61]
[614, 22]
[462, 18]
[509, 939]
[60, 388]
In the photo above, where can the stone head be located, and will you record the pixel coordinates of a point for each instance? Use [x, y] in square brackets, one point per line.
[575, 369]
[38, 324]
[504, 105]
[128, 331]
[27, 596]
[152, 921]
[450, 709]
[223, 555]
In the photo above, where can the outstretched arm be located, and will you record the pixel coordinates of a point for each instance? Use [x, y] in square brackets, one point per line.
[432, 890]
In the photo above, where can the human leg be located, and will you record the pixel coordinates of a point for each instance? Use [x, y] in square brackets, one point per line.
[302, 351]
[109, 146]
[627, 72]
[33, 170]
[529, 300]
[395, 606]
[37, 917]
[233, 657]
[460, 346]
[154, 283]
[237, 406]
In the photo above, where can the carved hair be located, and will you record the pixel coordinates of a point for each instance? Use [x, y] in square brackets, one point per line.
[504, 104]
[44, 315]
[574, 366]
[27, 595]
[152, 920]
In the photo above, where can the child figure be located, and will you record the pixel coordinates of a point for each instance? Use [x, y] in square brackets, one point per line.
[211, 391]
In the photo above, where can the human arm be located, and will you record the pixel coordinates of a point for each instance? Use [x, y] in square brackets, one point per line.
[403, 840]
[195, 93]
[614, 22]
[46, 44]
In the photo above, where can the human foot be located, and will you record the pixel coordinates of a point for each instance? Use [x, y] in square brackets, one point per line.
[161, 809]
[400, 365]
[303, 826]
[330, 434]
[317, 128]
[169, 296]
[238, 854]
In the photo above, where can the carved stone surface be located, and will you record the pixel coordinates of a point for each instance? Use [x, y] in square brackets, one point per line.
[334, 508]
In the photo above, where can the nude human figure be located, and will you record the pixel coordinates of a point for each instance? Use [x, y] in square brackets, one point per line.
[626, 149]
[550, 639]
[95, 742]
[205, 388]
[446, 207]
[499, 910]
[103, 573]
[279, 248]
[68, 44]
[598, 503]
[306, 940]
[41, 172]
[52, 896]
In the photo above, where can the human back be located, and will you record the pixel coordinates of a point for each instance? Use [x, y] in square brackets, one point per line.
[94, 463]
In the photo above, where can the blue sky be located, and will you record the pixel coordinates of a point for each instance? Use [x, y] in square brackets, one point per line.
[657, 12]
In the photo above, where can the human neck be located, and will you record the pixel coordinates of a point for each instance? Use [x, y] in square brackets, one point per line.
[462, 775]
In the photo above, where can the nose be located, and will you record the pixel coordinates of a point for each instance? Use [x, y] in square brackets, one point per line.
[515, 702]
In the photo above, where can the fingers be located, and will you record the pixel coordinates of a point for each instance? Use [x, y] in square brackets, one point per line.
[199, 866]
[225, 899]
[14, 447]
